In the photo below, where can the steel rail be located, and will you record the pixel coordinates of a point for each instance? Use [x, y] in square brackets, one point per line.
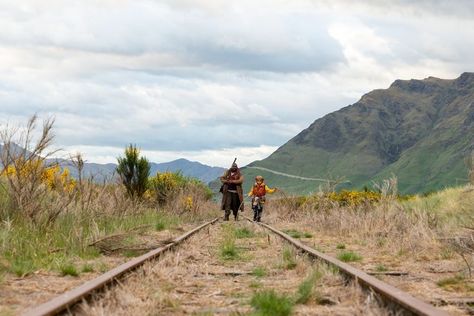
[388, 291]
[69, 298]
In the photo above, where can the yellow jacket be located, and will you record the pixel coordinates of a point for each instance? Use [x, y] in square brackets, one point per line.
[267, 189]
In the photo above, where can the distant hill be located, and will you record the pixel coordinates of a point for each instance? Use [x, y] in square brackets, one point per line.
[102, 172]
[419, 130]
[188, 168]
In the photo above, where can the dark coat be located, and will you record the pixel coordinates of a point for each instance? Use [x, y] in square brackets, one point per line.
[237, 180]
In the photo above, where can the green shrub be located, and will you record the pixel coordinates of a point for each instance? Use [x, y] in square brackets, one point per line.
[166, 186]
[134, 171]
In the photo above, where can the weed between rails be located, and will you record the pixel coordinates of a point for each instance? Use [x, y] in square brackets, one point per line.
[289, 261]
[227, 248]
[244, 233]
[259, 272]
[306, 288]
[457, 283]
[268, 302]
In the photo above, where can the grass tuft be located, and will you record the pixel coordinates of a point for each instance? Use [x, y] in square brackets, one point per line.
[381, 268]
[340, 246]
[259, 272]
[86, 268]
[244, 233]
[228, 249]
[68, 269]
[268, 303]
[306, 288]
[160, 225]
[349, 256]
[293, 233]
[457, 283]
[22, 267]
[289, 261]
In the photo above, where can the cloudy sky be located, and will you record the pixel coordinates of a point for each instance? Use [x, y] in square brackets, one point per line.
[211, 80]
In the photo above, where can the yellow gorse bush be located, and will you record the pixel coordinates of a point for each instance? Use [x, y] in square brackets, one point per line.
[188, 204]
[53, 177]
[165, 184]
[353, 198]
[57, 180]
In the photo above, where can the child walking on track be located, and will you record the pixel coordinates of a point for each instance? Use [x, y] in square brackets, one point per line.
[258, 192]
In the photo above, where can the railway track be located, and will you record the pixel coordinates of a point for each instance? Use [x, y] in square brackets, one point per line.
[201, 272]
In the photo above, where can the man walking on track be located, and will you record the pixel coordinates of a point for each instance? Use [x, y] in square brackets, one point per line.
[232, 195]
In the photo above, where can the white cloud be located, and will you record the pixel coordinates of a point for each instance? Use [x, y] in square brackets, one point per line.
[199, 78]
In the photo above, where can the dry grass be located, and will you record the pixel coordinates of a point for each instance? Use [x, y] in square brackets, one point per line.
[195, 280]
[428, 237]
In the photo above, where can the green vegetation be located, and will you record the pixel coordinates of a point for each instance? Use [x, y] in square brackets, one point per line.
[289, 261]
[227, 248]
[297, 234]
[268, 303]
[380, 268]
[21, 267]
[68, 269]
[166, 186]
[259, 272]
[255, 285]
[134, 171]
[306, 288]
[458, 283]
[26, 247]
[86, 268]
[349, 256]
[340, 246]
[293, 233]
[244, 233]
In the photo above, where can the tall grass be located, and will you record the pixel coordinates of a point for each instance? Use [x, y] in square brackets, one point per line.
[26, 247]
[413, 226]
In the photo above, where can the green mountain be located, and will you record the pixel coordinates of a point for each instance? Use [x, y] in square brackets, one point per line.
[421, 131]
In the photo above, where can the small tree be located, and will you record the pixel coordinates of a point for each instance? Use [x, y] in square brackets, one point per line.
[134, 171]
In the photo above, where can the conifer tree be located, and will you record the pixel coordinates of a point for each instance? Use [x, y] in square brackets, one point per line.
[134, 171]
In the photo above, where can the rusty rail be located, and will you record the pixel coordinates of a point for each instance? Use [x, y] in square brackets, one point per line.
[387, 291]
[66, 300]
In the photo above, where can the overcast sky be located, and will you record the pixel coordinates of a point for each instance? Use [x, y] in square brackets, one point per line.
[213, 80]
